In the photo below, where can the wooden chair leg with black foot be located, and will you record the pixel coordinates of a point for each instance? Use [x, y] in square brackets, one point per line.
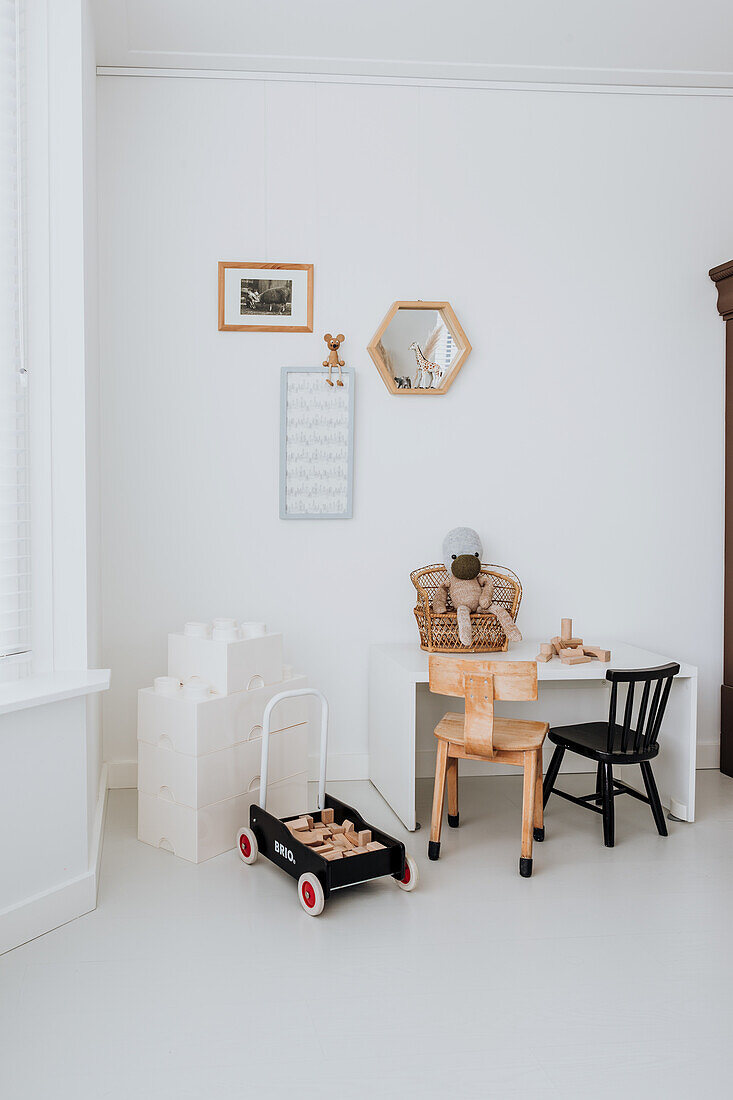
[528, 797]
[436, 823]
[453, 792]
[612, 744]
[478, 735]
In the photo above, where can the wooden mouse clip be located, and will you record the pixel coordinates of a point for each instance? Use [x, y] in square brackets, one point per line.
[334, 343]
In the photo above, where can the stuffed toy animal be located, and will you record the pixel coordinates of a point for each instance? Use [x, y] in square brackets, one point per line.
[470, 590]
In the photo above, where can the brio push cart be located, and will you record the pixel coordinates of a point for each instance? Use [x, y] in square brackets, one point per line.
[323, 851]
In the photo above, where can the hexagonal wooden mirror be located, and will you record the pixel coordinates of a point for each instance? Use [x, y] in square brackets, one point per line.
[419, 348]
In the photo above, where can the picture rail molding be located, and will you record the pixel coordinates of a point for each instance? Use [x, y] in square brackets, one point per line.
[620, 83]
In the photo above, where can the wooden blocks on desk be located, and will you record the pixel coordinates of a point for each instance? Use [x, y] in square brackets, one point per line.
[570, 650]
[603, 655]
[331, 840]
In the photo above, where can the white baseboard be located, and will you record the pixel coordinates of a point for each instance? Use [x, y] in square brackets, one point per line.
[708, 755]
[43, 912]
[347, 766]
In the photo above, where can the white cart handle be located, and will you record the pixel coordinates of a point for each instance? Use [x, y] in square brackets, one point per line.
[266, 740]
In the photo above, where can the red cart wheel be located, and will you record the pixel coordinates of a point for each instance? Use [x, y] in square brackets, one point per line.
[247, 846]
[310, 894]
[410, 878]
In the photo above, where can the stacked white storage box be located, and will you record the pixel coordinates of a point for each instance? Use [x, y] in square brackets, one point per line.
[200, 738]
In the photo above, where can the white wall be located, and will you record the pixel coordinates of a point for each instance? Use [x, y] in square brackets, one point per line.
[652, 42]
[47, 886]
[92, 392]
[572, 234]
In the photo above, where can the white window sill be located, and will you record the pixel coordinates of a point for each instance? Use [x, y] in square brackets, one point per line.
[35, 691]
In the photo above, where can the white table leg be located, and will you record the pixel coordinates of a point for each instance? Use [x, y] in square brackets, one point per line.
[392, 735]
[675, 765]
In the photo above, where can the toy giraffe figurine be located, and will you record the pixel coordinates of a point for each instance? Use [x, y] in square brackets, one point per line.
[425, 369]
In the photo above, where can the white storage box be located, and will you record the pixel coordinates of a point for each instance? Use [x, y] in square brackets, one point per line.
[197, 835]
[227, 666]
[197, 781]
[197, 727]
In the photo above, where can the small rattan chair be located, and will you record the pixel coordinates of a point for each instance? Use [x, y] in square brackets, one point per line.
[439, 632]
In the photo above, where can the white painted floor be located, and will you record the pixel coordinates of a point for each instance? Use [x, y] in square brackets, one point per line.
[607, 974]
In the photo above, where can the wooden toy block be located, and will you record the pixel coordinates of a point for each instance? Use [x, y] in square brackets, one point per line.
[360, 851]
[311, 838]
[571, 651]
[327, 817]
[557, 645]
[309, 819]
[545, 656]
[336, 829]
[568, 643]
[576, 660]
[352, 837]
[364, 838]
[375, 846]
[322, 848]
[348, 825]
[349, 852]
[335, 853]
[603, 655]
[320, 827]
[297, 825]
[339, 839]
[546, 647]
[566, 629]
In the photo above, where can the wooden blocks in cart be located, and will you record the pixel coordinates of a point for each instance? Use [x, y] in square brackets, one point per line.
[326, 850]
[199, 748]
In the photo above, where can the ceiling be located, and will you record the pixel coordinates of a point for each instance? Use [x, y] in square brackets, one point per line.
[687, 43]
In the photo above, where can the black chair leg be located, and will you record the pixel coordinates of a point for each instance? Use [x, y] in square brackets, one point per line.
[599, 785]
[552, 771]
[653, 795]
[608, 810]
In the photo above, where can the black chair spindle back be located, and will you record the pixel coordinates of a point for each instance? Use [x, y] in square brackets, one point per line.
[641, 736]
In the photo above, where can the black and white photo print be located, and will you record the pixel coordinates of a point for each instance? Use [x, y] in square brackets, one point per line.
[265, 297]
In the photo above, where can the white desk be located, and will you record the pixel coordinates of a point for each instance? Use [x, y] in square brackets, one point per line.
[403, 714]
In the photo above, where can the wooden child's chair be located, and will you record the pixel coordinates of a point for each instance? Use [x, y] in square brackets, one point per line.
[478, 735]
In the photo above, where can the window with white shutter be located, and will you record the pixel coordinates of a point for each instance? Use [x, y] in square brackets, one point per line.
[15, 615]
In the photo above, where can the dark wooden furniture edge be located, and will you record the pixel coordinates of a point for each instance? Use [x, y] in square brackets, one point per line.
[722, 276]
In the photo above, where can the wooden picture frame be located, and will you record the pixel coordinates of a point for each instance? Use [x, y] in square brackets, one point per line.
[381, 358]
[289, 300]
[307, 489]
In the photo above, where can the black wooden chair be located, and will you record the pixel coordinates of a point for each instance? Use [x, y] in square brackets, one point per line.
[609, 743]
